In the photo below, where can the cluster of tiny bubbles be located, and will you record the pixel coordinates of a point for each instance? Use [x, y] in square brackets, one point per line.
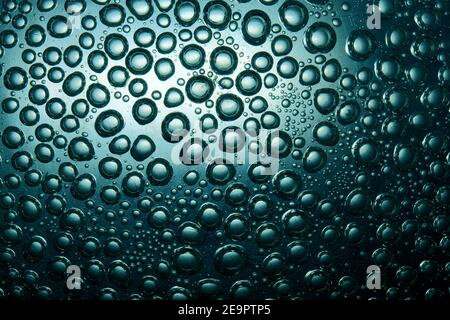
[224, 149]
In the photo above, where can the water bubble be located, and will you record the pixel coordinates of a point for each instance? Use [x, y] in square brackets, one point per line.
[158, 217]
[262, 61]
[141, 9]
[192, 57]
[287, 184]
[174, 127]
[89, 22]
[287, 67]
[35, 36]
[360, 44]
[72, 56]
[59, 27]
[281, 45]
[166, 42]
[120, 145]
[236, 194]
[46, 5]
[187, 260]
[81, 149]
[294, 15]
[144, 111]
[199, 89]
[164, 69]
[21, 161]
[252, 174]
[386, 204]
[119, 274]
[434, 97]
[74, 84]
[116, 46]
[83, 187]
[248, 83]
[187, 12]
[366, 151]
[423, 48]
[256, 27]
[29, 208]
[202, 34]
[29, 116]
[38, 94]
[279, 144]
[8, 38]
[220, 171]
[309, 75]
[267, 235]
[118, 76]
[295, 222]
[314, 159]
[388, 68]
[109, 123]
[229, 107]
[144, 37]
[326, 133]
[209, 216]
[97, 61]
[217, 14]
[173, 98]
[98, 95]
[331, 70]
[142, 148]
[396, 99]
[159, 171]
[319, 37]
[230, 259]
[13, 137]
[56, 268]
[133, 184]
[15, 78]
[139, 61]
[326, 100]
[357, 201]
[113, 15]
[223, 60]
[190, 233]
[348, 112]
